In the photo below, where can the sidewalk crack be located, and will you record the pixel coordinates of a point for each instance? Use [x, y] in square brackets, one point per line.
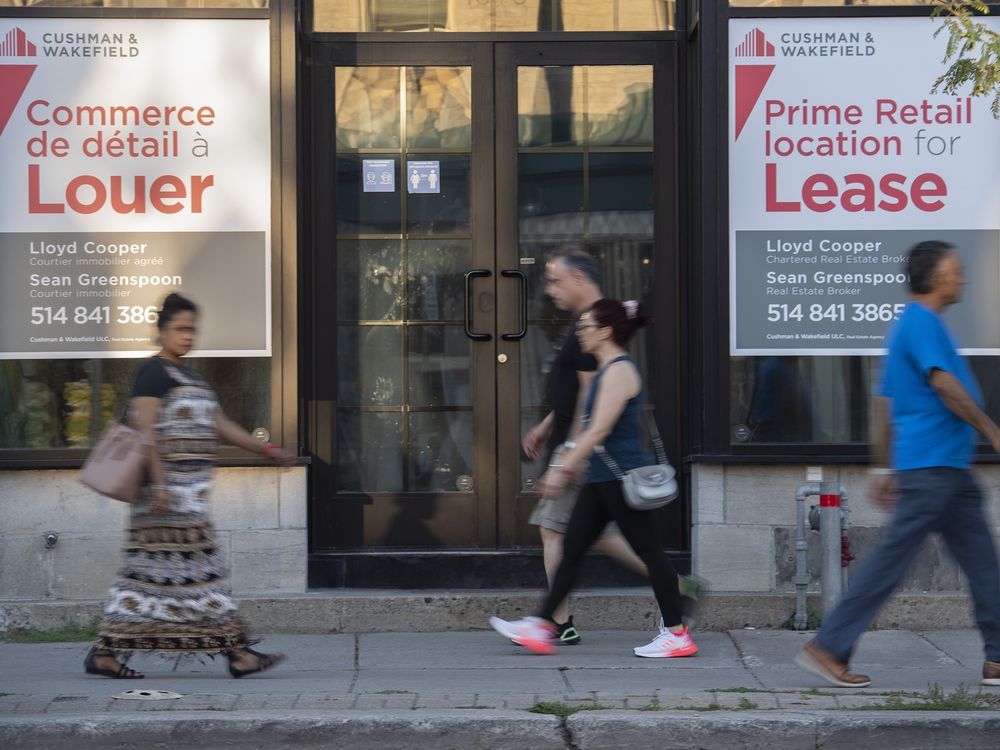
[357, 662]
[744, 660]
[948, 658]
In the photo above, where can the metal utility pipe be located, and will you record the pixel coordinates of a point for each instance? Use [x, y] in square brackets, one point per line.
[801, 578]
[845, 524]
[830, 519]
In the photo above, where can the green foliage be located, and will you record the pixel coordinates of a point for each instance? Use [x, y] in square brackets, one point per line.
[973, 51]
[813, 621]
[653, 705]
[936, 699]
[66, 633]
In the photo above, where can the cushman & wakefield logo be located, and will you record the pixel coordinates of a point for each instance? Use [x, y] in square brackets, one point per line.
[14, 77]
[755, 44]
[15, 43]
[751, 78]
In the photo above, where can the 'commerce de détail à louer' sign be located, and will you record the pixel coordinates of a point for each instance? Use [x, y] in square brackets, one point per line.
[136, 161]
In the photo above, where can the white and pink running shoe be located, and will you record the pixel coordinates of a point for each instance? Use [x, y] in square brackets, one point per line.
[534, 633]
[668, 645]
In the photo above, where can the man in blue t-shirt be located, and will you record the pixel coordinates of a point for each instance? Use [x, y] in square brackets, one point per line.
[924, 420]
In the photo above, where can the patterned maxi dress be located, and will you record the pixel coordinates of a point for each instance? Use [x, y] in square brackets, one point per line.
[172, 594]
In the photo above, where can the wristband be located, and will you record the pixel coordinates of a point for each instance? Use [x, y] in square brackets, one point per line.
[268, 449]
[880, 471]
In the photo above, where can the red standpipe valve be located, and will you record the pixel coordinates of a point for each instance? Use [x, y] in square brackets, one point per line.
[845, 551]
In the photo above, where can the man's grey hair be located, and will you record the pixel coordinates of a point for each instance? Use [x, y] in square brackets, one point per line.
[577, 258]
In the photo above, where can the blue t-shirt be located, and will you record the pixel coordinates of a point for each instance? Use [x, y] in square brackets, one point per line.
[926, 433]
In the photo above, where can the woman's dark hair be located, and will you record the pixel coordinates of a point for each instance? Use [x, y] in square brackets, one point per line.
[923, 262]
[624, 319]
[173, 304]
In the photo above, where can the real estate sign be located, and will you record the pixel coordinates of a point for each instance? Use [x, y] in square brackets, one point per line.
[135, 160]
[841, 160]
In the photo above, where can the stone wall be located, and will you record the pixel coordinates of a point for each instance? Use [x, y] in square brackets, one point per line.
[260, 515]
[743, 527]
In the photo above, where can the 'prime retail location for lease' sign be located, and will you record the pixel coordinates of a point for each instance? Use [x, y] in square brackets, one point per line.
[841, 160]
[135, 161]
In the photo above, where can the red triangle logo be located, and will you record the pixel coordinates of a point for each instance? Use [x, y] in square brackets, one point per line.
[750, 83]
[13, 81]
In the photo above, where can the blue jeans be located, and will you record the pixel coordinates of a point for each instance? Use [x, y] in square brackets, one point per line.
[944, 500]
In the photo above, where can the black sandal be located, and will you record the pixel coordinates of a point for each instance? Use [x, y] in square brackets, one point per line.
[122, 673]
[264, 662]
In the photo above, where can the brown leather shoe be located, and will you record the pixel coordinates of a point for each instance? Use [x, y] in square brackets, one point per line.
[991, 673]
[823, 664]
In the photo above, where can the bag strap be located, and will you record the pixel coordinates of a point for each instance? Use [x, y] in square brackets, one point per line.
[661, 454]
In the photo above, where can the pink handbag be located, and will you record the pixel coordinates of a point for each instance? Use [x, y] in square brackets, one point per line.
[116, 465]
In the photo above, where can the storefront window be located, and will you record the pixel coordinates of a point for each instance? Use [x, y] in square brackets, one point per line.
[493, 15]
[65, 403]
[817, 400]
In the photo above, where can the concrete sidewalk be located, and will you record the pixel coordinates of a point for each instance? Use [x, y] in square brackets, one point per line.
[475, 690]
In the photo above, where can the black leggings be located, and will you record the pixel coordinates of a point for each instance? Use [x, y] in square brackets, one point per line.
[598, 504]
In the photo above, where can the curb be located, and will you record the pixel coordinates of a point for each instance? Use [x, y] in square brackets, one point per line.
[192, 730]
[507, 730]
[379, 611]
[781, 730]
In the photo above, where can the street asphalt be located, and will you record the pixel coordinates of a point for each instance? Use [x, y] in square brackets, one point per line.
[475, 690]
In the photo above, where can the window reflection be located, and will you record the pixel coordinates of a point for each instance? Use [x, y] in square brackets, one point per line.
[493, 15]
[804, 400]
[800, 399]
[66, 403]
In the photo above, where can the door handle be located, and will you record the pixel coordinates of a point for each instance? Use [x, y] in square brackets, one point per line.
[475, 273]
[523, 308]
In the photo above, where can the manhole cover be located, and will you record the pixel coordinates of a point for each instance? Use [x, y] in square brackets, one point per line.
[147, 695]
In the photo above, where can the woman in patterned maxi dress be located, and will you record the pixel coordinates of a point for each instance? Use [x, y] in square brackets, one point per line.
[172, 595]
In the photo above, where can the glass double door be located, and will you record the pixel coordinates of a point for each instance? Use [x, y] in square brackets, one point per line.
[444, 175]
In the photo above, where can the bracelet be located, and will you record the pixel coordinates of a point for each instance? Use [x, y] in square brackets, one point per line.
[880, 471]
[158, 488]
[268, 449]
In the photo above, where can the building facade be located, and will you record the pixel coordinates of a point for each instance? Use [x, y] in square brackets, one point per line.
[391, 178]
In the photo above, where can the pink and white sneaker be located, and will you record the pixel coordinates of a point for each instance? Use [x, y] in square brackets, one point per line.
[534, 633]
[668, 645]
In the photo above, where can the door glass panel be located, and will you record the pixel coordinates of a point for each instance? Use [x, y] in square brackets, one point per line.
[585, 176]
[446, 211]
[440, 445]
[546, 115]
[367, 107]
[436, 284]
[439, 107]
[369, 280]
[619, 105]
[438, 361]
[369, 454]
[404, 365]
[370, 365]
[550, 193]
[360, 212]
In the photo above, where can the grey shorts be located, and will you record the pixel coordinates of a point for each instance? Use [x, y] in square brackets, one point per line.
[554, 513]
